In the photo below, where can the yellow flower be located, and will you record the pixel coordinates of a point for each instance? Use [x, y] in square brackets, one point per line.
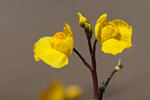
[114, 35]
[55, 50]
[73, 92]
[57, 91]
[54, 92]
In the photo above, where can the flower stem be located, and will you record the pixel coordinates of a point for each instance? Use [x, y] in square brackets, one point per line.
[82, 58]
[106, 83]
[95, 84]
[93, 71]
[92, 68]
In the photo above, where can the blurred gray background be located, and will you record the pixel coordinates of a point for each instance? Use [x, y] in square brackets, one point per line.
[23, 22]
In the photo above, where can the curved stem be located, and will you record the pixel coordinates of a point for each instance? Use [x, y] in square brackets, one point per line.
[82, 58]
[106, 84]
[109, 78]
[116, 69]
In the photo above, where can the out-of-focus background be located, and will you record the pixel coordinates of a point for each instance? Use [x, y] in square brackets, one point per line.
[23, 22]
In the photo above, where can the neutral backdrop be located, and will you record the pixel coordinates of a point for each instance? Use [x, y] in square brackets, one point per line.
[23, 22]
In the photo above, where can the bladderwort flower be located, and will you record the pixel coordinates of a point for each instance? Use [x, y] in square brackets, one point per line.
[55, 50]
[57, 91]
[114, 36]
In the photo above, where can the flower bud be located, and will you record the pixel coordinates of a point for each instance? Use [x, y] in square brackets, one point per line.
[82, 20]
[119, 66]
[88, 30]
[102, 88]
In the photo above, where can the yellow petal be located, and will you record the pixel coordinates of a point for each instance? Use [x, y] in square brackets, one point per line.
[102, 18]
[36, 58]
[100, 23]
[113, 46]
[42, 44]
[54, 92]
[69, 39]
[54, 58]
[125, 31]
[68, 30]
[50, 56]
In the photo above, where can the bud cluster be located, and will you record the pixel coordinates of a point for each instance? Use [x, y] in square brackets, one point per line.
[83, 22]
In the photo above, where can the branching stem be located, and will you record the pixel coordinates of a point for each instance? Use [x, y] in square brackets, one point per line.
[93, 71]
[82, 58]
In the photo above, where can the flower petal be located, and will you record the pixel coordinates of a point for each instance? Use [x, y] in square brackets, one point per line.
[125, 31]
[113, 46]
[68, 44]
[52, 57]
[67, 30]
[100, 23]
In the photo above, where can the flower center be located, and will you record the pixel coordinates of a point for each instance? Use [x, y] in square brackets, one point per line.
[59, 36]
[110, 31]
[59, 42]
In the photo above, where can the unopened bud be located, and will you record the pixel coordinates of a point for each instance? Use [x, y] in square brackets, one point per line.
[102, 88]
[119, 66]
[82, 19]
[88, 30]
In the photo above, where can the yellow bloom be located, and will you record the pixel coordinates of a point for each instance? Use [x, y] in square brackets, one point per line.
[57, 91]
[54, 92]
[114, 35]
[55, 50]
[73, 92]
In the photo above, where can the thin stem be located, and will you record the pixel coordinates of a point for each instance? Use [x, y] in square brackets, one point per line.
[117, 68]
[90, 47]
[82, 58]
[107, 82]
[93, 55]
[95, 84]
[93, 71]
[94, 46]
[109, 78]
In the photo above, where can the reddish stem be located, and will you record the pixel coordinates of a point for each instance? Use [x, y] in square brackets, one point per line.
[92, 68]
[93, 71]
[95, 84]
